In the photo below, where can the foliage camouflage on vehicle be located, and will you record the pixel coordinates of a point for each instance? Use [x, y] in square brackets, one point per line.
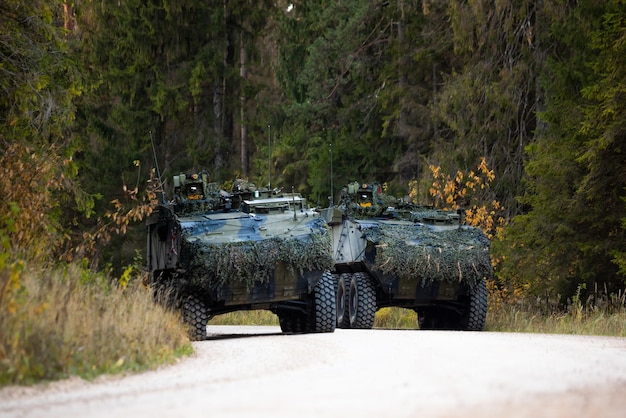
[212, 265]
[391, 252]
[212, 252]
[416, 252]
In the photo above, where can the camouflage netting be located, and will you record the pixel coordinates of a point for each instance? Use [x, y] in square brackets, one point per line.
[451, 255]
[213, 265]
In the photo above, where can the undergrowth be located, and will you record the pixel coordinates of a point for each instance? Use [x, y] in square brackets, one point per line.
[67, 321]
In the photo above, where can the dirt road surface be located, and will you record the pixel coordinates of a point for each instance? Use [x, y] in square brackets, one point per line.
[243, 371]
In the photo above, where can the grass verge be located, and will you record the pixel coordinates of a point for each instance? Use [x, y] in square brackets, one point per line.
[64, 322]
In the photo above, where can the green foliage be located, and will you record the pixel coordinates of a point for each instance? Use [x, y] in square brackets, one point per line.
[486, 104]
[537, 88]
[573, 234]
[330, 79]
[39, 84]
[39, 78]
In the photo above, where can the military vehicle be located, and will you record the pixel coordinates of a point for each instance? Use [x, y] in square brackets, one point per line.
[211, 252]
[390, 252]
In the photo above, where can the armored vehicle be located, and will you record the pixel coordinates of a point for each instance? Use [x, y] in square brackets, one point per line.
[388, 252]
[211, 252]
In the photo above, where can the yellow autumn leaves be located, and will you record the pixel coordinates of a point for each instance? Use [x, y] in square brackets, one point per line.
[469, 191]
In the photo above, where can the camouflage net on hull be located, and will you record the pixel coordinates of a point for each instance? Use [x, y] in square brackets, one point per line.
[451, 255]
[213, 265]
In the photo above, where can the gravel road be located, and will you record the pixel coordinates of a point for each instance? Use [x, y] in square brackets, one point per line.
[244, 371]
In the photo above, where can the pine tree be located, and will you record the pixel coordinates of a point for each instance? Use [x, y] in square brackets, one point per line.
[38, 81]
[573, 235]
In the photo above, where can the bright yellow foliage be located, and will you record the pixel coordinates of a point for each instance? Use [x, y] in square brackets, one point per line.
[469, 191]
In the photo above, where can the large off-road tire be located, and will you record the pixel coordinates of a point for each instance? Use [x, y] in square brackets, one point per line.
[323, 314]
[362, 301]
[284, 320]
[471, 317]
[343, 301]
[291, 322]
[195, 316]
[437, 318]
[476, 313]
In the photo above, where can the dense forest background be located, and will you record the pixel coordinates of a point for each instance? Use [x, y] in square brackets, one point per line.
[289, 91]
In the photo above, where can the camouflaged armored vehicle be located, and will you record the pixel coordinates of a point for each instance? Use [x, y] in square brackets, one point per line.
[212, 252]
[393, 253]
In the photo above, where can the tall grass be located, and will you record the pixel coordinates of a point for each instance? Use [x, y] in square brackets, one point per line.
[600, 313]
[588, 322]
[255, 317]
[64, 322]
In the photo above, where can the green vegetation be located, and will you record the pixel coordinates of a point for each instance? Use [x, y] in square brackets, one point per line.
[513, 110]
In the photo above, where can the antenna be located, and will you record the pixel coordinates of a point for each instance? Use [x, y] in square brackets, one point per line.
[269, 158]
[156, 163]
[330, 148]
[293, 196]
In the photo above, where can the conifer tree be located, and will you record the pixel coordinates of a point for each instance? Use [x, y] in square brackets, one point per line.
[573, 235]
[38, 82]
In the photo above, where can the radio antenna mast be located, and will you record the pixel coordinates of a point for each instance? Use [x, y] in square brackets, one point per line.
[269, 157]
[156, 163]
[330, 148]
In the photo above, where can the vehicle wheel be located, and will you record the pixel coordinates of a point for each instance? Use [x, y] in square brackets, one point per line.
[290, 323]
[298, 323]
[362, 301]
[476, 314]
[343, 300]
[195, 316]
[285, 323]
[437, 319]
[425, 319]
[323, 315]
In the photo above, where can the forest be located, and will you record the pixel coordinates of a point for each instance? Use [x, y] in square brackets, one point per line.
[421, 96]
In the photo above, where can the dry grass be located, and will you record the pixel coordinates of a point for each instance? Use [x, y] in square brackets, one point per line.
[573, 321]
[395, 318]
[385, 318]
[66, 322]
[257, 317]
[598, 313]
[390, 318]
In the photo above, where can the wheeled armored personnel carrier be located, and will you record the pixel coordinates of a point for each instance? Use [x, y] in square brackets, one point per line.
[211, 252]
[392, 253]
